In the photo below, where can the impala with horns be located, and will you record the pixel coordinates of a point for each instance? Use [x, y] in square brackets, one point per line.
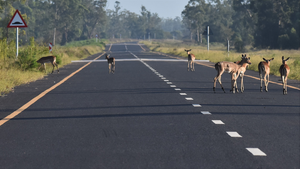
[232, 68]
[264, 70]
[284, 73]
[191, 60]
[111, 63]
[48, 59]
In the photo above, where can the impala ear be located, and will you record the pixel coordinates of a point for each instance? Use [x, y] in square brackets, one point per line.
[272, 59]
[264, 59]
[282, 58]
[287, 59]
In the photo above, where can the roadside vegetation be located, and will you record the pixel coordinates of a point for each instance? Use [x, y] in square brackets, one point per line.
[24, 69]
[218, 52]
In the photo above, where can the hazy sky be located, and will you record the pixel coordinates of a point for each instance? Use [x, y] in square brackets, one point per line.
[164, 8]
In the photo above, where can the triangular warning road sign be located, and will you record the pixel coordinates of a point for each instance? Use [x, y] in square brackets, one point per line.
[17, 21]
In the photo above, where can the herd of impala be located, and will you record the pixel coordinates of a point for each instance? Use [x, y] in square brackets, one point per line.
[236, 69]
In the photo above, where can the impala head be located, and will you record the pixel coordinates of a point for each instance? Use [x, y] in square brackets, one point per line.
[188, 51]
[284, 60]
[246, 59]
[107, 56]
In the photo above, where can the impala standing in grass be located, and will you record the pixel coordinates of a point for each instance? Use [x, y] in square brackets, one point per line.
[48, 59]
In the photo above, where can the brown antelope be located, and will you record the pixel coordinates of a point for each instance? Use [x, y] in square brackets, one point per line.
[48, 59]
[232, 68]
[284, 73]
[242, 73]
[191, 60]
[264, 69]
[111, 63]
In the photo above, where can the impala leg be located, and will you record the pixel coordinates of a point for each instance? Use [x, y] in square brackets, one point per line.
[52, 68]
[265, 80]
[188, 65]
[40, 67]
[220, 82]
[215, 81]
[285, 81]
[218, 78]
[193, 66]
[236, 86]
[261, 80]
[109, 68]
[233, 82]
[242, 83]
[57, 67]
[45, 67]
[113, 68]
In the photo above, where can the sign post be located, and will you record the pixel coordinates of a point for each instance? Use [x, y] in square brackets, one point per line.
[207, 32]
[16, 22]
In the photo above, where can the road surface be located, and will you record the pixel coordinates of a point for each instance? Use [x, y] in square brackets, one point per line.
[149, 114]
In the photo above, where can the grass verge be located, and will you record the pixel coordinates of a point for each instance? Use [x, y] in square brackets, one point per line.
[11, 76]
[219, 53]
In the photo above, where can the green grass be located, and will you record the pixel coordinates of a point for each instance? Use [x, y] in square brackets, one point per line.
[218, 52]
[13, 73]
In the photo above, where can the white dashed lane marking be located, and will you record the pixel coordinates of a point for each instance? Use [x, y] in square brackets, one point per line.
[217, 122]
[253, 151]
[206, 112]
[189, 98]
[197, 105]
[233, 134]
[256, 152]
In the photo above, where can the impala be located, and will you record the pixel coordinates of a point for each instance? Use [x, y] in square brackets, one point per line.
[48, 59]
[111, 63]
[242, 73]
[264, 69]
[284, 73]
[191, 60]
[232, 68]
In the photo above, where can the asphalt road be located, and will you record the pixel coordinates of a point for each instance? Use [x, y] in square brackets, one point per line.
[148, 115]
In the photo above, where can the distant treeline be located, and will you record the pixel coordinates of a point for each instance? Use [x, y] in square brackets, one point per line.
[273, 24]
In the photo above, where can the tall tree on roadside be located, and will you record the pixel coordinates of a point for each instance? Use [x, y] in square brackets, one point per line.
[195, 16]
